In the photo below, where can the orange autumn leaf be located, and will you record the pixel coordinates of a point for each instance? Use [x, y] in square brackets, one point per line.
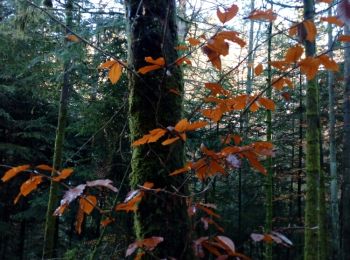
[254, 107]
[87, 203]
[44, 167]
[148, 68]
[181, 60]
[148, 244]
[333, 20]
[279, 83]
[213, 56]
[193, 41]
[186, 168]
[107, 64]
[264, 15]
[183, 125]
[14, 171]
[130, 205]
[325, 1]
[152, 137]
[181, 48]
[64, 174]
[344, 38]
[28, 186]
[218, 45]
[170, 140]
[309, 66]
[213, 114]
[236, 139]
[258, 69]
[310, 29]
[253, 161]
[159, 61]
[294, 53]
[231, 36]
[157, 64]
[60, 210]
[79, 220]
[328, 63]
[267, 103]
[216, 89]
[280, 64]
[107, 221]
[115, 72]
[228, 13]
[72, 38]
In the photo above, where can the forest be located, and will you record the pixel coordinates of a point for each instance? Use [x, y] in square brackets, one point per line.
[175, 129]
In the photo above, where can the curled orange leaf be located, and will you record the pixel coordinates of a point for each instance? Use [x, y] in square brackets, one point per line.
[228, 13]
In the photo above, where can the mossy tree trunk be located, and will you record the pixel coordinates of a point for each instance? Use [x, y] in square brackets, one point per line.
[51, 224]
[345, 199]
[312, 150]
[152, 31]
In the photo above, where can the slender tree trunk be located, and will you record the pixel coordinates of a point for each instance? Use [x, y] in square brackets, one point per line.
[181, 21]
[312, 150]
[51, 224]
[152, 32]
[300, 151]
[322, 212]
[269, 178]
[345, 200]
[335, 245]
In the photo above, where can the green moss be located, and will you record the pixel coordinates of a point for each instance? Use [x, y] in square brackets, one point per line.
[151, 106]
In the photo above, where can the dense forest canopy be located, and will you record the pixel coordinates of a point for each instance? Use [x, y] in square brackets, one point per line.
[174, 129]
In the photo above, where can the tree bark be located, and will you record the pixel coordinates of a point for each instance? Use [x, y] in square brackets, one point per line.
[334, 253]
[152, 32]
[51, 224]
[312, 150]
[269, 177]
[345, 199]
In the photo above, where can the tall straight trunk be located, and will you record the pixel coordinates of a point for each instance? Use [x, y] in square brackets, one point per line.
[312, 150]
[322, 212]
[345, 200]
[269, 178]
[334, 207]
[152, 32]
[245, 125]
[300, 150]
[250, 53]
[182, 27]
[51, 224]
